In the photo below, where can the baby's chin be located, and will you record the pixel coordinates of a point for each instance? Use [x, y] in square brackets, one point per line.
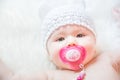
[71, 67]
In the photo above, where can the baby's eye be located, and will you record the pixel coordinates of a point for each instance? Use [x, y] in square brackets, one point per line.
[60, 39]
[80, 35]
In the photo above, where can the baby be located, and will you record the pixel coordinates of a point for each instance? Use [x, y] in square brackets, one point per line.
[70, 40]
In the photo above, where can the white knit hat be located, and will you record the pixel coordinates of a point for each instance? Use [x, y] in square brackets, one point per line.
[68, 14]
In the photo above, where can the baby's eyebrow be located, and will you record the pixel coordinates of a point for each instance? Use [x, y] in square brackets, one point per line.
[58, 33]
[64, 32]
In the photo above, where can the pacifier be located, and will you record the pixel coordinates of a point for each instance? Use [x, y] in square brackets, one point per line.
[73, 56]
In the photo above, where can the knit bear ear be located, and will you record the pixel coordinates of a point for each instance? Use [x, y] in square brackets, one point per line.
[48, 5]
[43, 10]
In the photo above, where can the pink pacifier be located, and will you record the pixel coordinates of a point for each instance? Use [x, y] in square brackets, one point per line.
[73, 56]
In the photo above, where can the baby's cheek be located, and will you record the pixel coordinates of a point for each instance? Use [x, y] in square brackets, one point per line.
[91, 53]
[55, 55]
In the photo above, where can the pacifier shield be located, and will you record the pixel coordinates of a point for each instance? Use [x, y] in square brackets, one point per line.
[73, 55]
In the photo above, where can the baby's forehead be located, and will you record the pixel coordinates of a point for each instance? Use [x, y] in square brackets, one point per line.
[70, 29]
[70, 26]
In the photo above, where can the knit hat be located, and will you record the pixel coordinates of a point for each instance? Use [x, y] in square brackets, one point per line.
[68, 14]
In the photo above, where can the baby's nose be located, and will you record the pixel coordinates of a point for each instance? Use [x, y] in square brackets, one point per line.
[71, 44]
[71, 41]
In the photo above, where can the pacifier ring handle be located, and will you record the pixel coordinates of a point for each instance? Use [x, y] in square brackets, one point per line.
[81, 66]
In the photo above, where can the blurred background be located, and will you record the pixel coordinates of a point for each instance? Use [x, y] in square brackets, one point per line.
[20, 22]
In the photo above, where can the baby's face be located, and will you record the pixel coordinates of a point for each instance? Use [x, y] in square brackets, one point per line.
[71, 35]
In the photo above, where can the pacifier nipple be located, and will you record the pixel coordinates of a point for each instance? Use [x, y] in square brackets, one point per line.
[72, 55]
